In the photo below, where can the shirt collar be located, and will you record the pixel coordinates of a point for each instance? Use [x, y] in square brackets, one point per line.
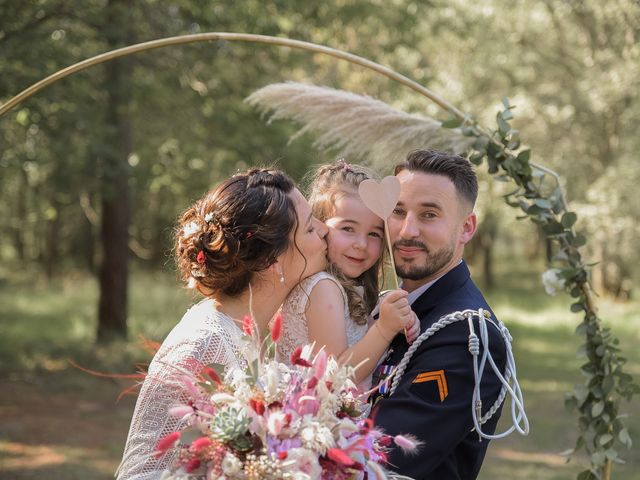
[413, 296]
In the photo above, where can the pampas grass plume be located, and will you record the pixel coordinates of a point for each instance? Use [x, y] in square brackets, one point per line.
[357, 126]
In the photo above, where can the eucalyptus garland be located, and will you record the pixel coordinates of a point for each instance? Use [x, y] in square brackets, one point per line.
[597, 401]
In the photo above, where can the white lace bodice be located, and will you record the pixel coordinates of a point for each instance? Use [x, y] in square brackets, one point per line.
[295, 331]
[202, 337]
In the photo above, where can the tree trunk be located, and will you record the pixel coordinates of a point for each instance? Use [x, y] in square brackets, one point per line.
[21, 215]
[52, 252]
[112, 310]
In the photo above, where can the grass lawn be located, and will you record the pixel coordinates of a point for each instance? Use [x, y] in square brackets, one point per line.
[60, 423]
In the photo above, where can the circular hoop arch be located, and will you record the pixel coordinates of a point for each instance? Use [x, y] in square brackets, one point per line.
[251, 38]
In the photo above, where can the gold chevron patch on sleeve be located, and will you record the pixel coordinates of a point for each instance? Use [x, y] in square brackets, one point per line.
[436, 376]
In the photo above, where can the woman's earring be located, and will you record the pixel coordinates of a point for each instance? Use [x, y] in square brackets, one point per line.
[281, 277]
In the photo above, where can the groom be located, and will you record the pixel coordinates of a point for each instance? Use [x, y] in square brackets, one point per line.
[429, 228]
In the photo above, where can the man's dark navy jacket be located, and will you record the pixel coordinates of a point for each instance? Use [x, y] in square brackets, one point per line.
[434, 398]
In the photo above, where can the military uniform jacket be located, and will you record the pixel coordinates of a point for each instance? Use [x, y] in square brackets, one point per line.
[433, 400]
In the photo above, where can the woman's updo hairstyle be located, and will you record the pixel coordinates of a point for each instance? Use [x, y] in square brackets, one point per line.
[238, 228]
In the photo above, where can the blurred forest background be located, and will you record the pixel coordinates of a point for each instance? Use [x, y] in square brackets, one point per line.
[95, 169]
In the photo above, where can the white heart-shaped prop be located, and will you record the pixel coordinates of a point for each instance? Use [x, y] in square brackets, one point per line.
[381, 198]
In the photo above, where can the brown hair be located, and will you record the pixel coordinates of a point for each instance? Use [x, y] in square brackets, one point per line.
[238, 228]
[326, 184]
[457, 169]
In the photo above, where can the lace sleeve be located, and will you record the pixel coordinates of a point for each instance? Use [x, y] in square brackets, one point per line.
[202, 337]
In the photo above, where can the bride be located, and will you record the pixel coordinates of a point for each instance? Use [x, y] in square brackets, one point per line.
[247, 242]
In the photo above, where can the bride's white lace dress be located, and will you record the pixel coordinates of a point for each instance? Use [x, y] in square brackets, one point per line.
[295, 332]
[203, 336]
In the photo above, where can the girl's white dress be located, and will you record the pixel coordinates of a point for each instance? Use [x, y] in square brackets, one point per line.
[295, 330]
[203, 336]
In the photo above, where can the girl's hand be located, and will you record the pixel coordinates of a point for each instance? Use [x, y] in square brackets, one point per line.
[412, 330]
[395, 314]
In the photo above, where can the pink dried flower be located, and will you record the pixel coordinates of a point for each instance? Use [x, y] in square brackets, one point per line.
[407, 443]
[341, 457]
[181, 411]
[247, 325]
[296, 358]
[192, 465]
[276, 327]
[257, 406]
[166, 443]
[312, 382]
[200, 444]
[320, 363]
[385, 441]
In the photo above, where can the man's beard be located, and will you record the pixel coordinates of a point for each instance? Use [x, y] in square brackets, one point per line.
[435, 261]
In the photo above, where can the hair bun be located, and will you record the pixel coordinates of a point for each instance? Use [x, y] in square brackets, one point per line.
[235, 230]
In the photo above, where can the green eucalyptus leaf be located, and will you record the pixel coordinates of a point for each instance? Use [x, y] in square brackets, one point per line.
[514, 140]
[503, 126]
[568, 219]
[607, 384]
[581, 393]
[524, 155]
[597, 409]
[507, 115]
[625, 439]
[543, 203]
[481, 143]
[611, 454]
[596, 391]
[577, 307]
[604, 439]
[598, 457]
[579, 240]
[552, 228]
[476, 158]
[452, 122]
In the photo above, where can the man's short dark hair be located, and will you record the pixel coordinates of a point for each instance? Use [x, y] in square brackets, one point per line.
[457, 169]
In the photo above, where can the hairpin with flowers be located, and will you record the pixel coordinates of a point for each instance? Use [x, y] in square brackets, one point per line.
[342, 163]
[191, 229]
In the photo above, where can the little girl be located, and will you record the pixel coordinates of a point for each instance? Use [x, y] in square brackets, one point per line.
[332, 308]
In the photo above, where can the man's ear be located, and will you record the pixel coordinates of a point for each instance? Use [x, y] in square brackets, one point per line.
[469, 227]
